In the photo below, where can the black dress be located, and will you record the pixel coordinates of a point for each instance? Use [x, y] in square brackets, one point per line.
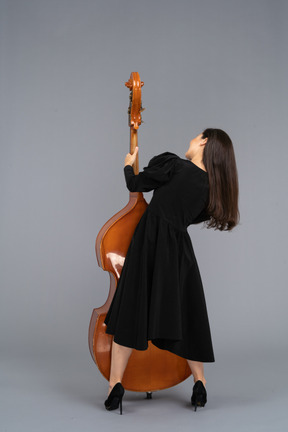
[159, 295]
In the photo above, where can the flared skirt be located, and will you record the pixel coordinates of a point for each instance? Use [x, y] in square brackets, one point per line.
[159, 295]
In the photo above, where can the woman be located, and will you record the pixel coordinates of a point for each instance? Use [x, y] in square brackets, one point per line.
[159, 296]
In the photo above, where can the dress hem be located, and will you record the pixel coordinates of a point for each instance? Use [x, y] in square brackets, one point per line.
[154, 342]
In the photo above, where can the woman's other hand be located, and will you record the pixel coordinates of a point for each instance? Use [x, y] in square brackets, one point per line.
[130, 158]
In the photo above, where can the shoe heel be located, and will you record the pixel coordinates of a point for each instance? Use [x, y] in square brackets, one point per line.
[121, 406]
[198, 401]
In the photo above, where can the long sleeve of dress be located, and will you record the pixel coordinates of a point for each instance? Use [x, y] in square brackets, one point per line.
[159, 170]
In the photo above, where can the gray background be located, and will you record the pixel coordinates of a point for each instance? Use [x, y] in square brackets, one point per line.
[64, 137]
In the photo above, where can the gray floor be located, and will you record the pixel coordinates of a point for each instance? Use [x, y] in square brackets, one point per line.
[61, 392]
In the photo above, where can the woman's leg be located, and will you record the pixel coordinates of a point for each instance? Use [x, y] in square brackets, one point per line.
[119, 358]
[197, 369]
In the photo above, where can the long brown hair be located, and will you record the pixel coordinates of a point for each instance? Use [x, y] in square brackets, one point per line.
[219, 161]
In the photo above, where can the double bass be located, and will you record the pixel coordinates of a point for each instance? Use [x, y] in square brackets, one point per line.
[152, 369]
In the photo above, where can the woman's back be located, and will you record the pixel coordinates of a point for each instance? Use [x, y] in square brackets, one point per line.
[181, 189]
[184, 197]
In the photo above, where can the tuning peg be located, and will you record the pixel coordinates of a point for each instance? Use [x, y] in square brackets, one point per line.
[129, 84]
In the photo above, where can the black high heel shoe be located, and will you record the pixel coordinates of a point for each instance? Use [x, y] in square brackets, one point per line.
[199, 396]
[115, 398]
